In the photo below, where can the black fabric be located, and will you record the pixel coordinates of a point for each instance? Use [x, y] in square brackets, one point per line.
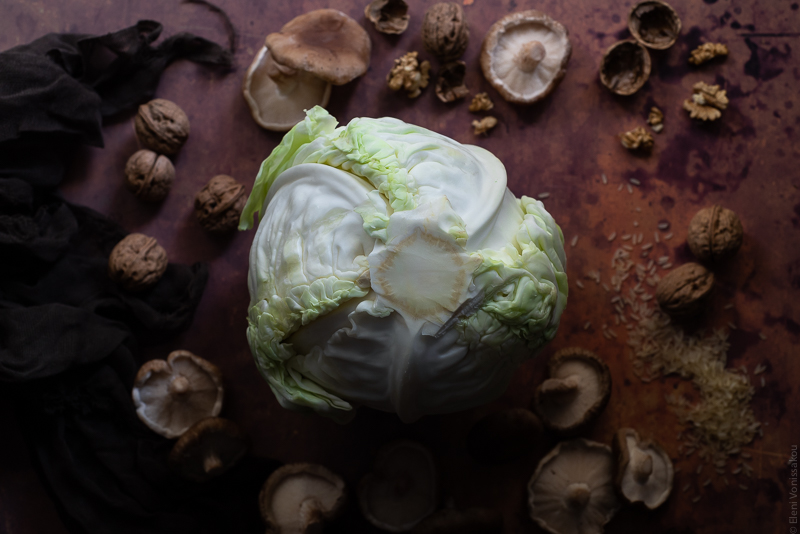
[68, 335]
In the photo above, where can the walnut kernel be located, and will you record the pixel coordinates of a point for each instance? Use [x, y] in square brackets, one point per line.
[137, 262]
[656, 119]
[637, 139]
[706, 102]
[162, 126]
[219, 204]
[445, 33]
[715, 234]
[484, 125]
[685, 290]
[410, 75]
[481, 102]
[149, 175]
[707, 52]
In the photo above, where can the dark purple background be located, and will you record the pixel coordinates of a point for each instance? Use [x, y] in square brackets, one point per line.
[748, 161]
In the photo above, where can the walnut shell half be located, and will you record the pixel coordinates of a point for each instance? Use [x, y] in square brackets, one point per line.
[684, 291]
[715, 234]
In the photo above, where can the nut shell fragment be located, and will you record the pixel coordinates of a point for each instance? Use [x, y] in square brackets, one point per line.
[625, 67]
[524, 56]
[655, 24]
[388, 16]
[299, 498]
[149, 175]
[137, 262]
[445, 33]
[450, 83]
[576, 392]
[219, 204]
[162, 126]
[715, 234]
[170, 396]
[685, 290]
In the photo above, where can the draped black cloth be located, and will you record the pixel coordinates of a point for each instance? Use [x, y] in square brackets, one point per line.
[68, 335]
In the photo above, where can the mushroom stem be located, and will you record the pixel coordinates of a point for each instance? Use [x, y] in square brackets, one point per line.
[530, 55]
[211, 462]
[559, 389]
[578, 494]
[179, 385]
[642, 465]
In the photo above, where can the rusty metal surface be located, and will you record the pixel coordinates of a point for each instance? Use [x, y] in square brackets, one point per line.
[748, 161]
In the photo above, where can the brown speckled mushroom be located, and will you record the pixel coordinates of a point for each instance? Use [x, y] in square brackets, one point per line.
[295, 68]
[644, 469]
[525, 55]
[299, 498]
[576, 392]
[209, 448]
[572, 490]
[401, 490]
[170, 396]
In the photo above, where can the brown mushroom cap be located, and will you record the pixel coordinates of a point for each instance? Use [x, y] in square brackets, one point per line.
[278, 96]
[644, 469]
[326, 43]
[298, 498]
[525, 55]
[469, 521]
[504, 436]
[388, 16]
[170, 396]
[572, 490]
[208, 449]
[576, 392]
[401, 490]
[654, 24]
[625, 67]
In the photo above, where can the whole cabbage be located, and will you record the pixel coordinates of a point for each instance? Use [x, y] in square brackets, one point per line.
[393, 268]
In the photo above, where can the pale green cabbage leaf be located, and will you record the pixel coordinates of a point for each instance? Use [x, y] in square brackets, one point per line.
[392, 268]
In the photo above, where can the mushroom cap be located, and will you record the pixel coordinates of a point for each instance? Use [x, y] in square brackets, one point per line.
[625, 67]
[655, 24]
[572, 490]
[170, 396]
[388, 16]
[469, 521]
[401, 490]
[644, 469]
[208, 449]
[525, 55]
[576, 392]
[324, 42]
[278, 102]
[504, 436]
[298, 498]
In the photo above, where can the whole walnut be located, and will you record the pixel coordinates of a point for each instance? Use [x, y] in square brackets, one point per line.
[162, 126]
[715, 234]
[149, 175]
[445, 33]
[685, 290]
[137, 262]
[219, 204]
